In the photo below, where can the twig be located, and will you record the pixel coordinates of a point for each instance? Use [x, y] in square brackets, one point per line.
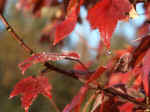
[15, 35]
[71, 73]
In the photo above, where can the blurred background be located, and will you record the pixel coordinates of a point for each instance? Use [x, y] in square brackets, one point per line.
[33, 30]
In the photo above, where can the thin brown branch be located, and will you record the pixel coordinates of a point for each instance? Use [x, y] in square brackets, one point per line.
[15, 35]
[70, 73]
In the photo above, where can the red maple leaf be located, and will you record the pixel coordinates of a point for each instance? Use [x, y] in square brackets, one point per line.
[67, 26]
[34, 5]
[105, 15]
[43, 57]
[29, 88]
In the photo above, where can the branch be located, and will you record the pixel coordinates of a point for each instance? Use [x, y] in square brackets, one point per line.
[15, 35]
[71, 73]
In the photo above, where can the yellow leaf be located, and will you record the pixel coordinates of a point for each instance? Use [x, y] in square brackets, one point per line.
[133, 14]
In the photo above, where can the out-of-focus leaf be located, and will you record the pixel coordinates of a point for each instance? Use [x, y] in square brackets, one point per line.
[2, 5]
[34, 5]
[105, 15]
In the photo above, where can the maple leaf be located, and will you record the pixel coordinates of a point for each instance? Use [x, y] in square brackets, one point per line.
[29, 88]
[105, 15]
[67, 26]
[43, 57]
